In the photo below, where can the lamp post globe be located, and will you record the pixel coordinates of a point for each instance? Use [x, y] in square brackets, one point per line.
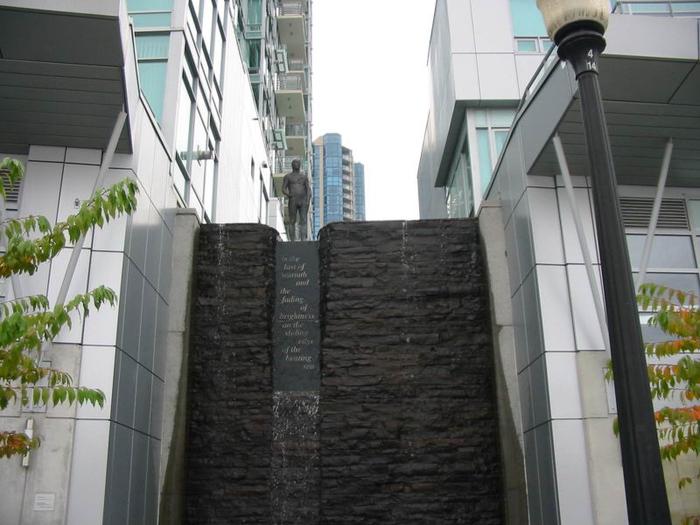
[559, 14]
[577, 28]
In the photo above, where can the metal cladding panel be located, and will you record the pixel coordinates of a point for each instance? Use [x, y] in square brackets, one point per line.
[61, 77]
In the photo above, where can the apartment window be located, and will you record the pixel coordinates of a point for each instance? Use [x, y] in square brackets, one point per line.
[458, 193]
[150, 13]
[152, 54]
[532, 44]
[527, 20]
[492, 127]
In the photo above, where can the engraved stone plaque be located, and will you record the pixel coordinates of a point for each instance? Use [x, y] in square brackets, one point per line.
[296, 331]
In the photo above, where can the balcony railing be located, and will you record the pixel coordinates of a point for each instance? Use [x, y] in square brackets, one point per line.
[291, 81]
[253, 30]
[295, 130]
[672, 8]
[292, 9]
[296, 64]
[284, 164]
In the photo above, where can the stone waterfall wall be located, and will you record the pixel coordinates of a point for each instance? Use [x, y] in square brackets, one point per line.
[409, 430]
[230, 382]
[408, 425]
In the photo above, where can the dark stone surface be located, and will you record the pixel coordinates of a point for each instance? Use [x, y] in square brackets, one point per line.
[230, 383]
[405, 428]
[294, 488]
[295, 331]
[409, 430]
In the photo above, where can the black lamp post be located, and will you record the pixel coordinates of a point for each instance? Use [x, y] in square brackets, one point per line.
[577, 27]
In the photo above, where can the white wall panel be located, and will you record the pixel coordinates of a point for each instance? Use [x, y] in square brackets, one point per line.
[40, 189]
[563, 385]
[461, 26]
[546, 232]
[88, 472]
[572, 246]
[47, 153]
[586, 326]
[557, 326]
[84, 156]
[76, 187]
[101, 325]
[78, 286]
[497, 77]
[466, 78]
[572, 472]
[493, 31]
[97, 371]
[525, 67]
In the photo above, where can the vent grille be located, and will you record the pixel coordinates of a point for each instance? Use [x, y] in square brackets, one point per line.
[636, 213]
[11, 190]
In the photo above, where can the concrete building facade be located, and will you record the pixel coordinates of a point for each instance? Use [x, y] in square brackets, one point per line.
[499, 107]
[202, 129]
[338, 183]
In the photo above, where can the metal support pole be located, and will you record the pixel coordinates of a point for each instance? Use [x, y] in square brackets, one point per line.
[649, 241]
[106, 162]
[645, 488]
[78, 246]
[590, 271]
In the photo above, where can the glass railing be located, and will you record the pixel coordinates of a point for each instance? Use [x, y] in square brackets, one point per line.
[291, 81]
[284, 164]
[675, 8]
[296, 64]
[292, 9]
[295, 130]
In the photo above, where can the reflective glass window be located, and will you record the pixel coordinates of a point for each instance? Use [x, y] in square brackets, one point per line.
[484, 152]
[200, 152]
[152, 79]
[686, 7]
[499, 137]
[207, 22]
[152, 46]
[527, 20]
[650, 7]
[668, 251]
[182, 133]
[526, 45]
[149, 5]
[151, 19]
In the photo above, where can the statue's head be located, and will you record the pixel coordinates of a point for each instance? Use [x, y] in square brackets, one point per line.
[296, 165]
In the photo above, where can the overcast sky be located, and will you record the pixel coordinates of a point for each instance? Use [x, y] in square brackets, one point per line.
[370, 84]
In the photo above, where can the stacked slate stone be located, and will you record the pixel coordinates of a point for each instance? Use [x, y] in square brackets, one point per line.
[230, 382]
[409, 431]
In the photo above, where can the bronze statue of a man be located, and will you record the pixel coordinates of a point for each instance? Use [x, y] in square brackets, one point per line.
[298, 192]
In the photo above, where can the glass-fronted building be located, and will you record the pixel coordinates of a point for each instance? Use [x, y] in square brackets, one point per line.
[204, 101]
[359, 191]
[338, 183]
[499, 99]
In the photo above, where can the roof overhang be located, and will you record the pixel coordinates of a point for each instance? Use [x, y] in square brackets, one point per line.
[62, 80]
[650, 82]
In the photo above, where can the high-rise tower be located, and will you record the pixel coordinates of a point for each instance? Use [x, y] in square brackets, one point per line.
[338, 183]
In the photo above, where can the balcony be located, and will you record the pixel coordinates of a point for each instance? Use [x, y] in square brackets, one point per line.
[290, 95]
[297, 64]
[296, 139]
[291, 27]
[253, 31]
[293, 81]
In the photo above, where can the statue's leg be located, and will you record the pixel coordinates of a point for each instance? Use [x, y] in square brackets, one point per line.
[303, 214]
[292, 209]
